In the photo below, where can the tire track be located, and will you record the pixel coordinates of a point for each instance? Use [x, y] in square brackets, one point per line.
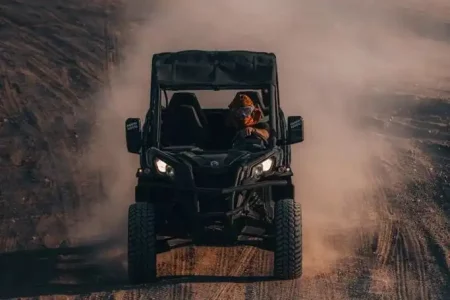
[384, 242]
[181, 262]
[407, 256]
[385, 233]
[260, 265]
[400, 268]
[293, 288]
[324, 287]
[209, 263]
[281, 290]
[237, 270]
[404, 245]
[419, 267]
[181, 291]
[144, 293]
[222, 255]
[399, 247]
[439, 255]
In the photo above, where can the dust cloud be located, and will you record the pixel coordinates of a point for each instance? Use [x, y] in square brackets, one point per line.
[330, 53]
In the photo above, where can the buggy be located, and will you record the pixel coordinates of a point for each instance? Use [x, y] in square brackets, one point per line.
[196, 180]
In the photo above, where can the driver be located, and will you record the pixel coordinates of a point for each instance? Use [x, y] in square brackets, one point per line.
[247, 118]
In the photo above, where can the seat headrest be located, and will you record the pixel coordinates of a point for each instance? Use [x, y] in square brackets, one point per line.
[184, 98]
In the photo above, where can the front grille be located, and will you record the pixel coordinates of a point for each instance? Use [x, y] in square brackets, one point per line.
[207, 179]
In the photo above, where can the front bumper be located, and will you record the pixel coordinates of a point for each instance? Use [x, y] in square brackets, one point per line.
[215, 191]
[188, 197]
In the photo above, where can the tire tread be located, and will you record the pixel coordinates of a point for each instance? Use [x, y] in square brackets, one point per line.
[288, 240]
[141, 243]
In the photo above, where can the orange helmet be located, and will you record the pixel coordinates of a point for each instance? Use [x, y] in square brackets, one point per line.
[241, 100]
[244, 111]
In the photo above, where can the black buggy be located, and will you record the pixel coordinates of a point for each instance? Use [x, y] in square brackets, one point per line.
[200, 181]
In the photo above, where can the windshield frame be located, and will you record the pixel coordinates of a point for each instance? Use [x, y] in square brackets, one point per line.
[152, 124]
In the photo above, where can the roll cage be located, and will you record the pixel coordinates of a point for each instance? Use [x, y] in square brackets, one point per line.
[197, 70]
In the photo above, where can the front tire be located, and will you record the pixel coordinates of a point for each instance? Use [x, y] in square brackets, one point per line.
[288, 240]
[141, 243]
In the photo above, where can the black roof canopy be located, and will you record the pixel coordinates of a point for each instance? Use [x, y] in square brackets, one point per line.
[199, 68]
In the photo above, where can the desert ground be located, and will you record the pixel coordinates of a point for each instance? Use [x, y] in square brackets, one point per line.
[67, 68]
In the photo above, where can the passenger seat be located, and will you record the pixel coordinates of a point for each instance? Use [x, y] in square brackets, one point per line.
[183, 124]
[186, 98]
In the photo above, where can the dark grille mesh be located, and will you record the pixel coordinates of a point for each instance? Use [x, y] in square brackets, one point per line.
[206, 179]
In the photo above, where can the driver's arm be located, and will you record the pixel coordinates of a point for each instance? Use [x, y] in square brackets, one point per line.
[262, 129]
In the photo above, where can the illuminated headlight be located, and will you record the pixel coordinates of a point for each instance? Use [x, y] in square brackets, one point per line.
[164, 168]
[263, 167]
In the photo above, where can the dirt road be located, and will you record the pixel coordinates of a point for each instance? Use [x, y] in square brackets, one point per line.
[406, 257]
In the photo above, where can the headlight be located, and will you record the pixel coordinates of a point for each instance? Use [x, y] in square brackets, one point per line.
[263, 167]
[164, 168]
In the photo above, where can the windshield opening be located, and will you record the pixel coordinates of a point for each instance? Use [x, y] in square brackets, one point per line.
[214, 99]
[202, 119]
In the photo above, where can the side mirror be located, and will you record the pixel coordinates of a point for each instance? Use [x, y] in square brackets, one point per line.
[295, 130]
[133, 135]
